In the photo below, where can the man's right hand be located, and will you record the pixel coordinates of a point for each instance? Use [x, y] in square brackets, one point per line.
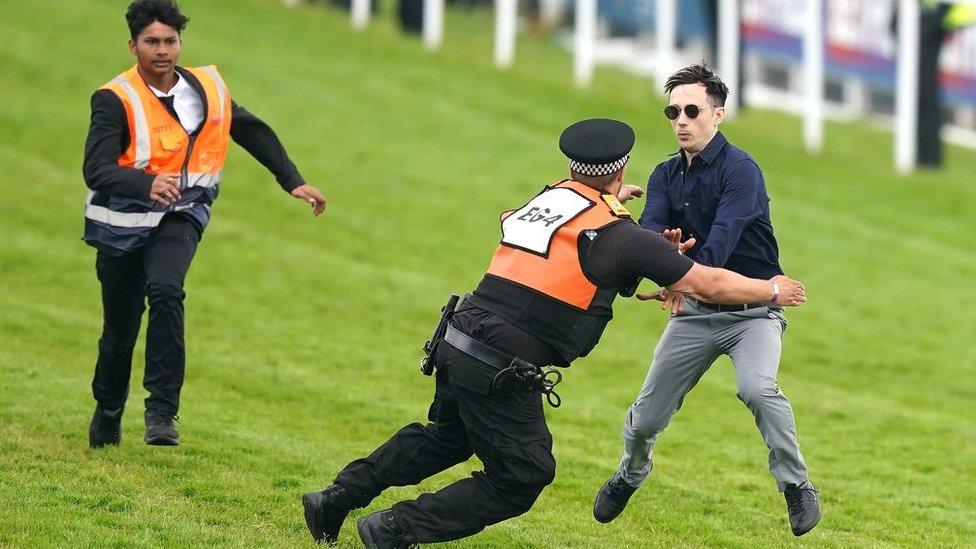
[165, 189]
[791, 292]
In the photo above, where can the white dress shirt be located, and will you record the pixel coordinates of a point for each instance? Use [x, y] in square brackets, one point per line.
[186, 102]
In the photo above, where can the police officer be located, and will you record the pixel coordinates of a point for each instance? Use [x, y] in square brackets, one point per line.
[545, 300]
[153, 160]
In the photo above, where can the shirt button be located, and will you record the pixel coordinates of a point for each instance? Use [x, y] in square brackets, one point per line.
[687, 204]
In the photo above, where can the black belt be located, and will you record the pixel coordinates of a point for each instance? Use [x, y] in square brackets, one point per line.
[512, 370]
[722, 308]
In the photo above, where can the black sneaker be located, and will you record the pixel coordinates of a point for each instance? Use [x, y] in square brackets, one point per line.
[612, 498]
[380, 531]
[160, 430]
[105, 427]
[325, 511]
[803, 505]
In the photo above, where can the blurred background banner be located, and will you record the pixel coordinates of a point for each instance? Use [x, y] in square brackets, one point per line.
[860, 54]
[860, 61]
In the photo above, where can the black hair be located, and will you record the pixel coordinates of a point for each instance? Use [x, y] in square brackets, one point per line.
[143, 13]
[716, 90]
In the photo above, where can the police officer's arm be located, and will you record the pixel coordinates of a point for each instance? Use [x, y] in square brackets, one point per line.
[108, 138]
[625, 251]
[723, 286]
[657, 211]
[741, 203]
[261, 142]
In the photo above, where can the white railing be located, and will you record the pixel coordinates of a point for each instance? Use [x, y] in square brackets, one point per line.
[665, 58]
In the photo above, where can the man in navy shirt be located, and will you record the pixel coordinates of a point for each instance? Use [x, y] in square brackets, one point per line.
[713, 193]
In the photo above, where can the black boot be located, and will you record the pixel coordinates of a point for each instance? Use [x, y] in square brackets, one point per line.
[612, 498]
[803, 504]
[325, 511]
[380, 531]
[105, 427]
[160, 430]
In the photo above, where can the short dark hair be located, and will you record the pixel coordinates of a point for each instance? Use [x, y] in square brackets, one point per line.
[716, 90]
[143, 13]
[595, 181]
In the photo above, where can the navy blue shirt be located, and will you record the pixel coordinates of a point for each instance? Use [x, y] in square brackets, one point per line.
[720, 200]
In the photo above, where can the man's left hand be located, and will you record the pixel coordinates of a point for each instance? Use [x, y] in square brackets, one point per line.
[627, 192]
[675, 301]
[311, 195]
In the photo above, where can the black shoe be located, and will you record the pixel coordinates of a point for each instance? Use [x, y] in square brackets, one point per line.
[325, 511]
[380, 531]
[160, 430]
[803, 505]
[612, 498]
[105, 427]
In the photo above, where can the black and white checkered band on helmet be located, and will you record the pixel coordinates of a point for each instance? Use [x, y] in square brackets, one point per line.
[596, 170]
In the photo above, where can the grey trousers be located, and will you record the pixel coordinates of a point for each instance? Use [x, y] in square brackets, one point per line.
[689, 345]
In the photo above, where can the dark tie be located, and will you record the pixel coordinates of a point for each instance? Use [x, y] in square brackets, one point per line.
[168, 101]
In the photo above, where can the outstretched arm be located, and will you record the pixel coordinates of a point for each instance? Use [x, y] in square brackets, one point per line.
[263, 144]
[723, 286]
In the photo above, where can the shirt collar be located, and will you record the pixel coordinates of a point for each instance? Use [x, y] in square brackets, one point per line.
[715, 146]
[710, 152]
[181, 83]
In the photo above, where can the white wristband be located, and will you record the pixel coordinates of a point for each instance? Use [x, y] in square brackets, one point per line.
[775, 292]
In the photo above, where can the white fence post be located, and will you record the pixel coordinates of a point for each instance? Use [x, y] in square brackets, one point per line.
[728, 49]
[505, 12]
[666, 17]
[906, 99]
[813, 54]
[433, 24]
[584, 41]
[360, 13]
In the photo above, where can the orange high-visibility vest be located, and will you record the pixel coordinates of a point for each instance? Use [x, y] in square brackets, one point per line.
[157, 141]
[539, 247]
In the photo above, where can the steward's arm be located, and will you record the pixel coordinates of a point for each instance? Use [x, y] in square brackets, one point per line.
[108, 138]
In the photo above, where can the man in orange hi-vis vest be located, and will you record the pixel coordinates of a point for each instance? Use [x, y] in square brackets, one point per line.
[545, 300]
[153, 160]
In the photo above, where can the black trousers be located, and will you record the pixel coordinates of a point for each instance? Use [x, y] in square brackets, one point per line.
[156, 271]
[507, 432]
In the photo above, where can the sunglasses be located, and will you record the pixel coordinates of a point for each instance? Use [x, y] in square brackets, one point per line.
[691, 111]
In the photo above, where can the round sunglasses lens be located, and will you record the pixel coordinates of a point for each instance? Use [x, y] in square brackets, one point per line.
[672, 112]
[692, 111]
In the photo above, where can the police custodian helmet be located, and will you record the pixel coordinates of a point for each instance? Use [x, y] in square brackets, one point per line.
[598, 146]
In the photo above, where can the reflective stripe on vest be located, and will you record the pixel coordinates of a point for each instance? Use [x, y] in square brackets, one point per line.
[130, 220]
[539, 247]
[158, 143]
[137, 114]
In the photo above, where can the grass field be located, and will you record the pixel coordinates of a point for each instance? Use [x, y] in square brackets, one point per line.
[304, 335]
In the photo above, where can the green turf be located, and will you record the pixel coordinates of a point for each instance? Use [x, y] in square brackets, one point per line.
[304, 335]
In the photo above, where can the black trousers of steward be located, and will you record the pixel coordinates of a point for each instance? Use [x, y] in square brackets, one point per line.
[508, 433]
[156, 271]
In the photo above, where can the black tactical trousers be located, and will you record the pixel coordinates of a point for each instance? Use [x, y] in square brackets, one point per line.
[156, 271]
[507, 432]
